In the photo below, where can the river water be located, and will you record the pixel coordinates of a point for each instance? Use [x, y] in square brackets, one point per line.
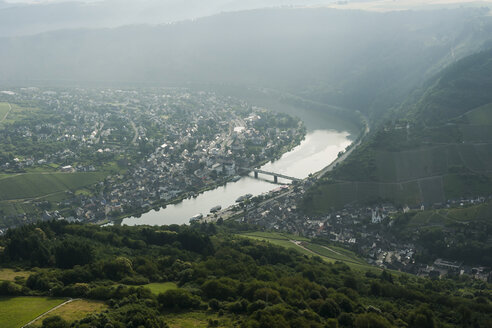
[324, 139]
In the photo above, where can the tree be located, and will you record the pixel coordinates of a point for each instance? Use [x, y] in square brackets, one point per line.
[421, 318]
[118, 268]
[178, 298]
[371, 320]
[73, 252]
[55, 322]
[329, 309]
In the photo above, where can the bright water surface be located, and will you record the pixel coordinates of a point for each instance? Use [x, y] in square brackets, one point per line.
[317, 150]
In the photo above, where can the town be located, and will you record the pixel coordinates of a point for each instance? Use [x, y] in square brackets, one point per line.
[150, 148]
[155, 147]
[369, 231]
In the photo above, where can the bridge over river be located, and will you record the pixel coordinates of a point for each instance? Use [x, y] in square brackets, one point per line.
[275, 175]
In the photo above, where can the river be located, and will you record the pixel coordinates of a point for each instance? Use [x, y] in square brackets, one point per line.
[324, 139]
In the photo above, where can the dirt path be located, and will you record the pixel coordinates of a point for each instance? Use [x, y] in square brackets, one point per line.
[49, 311]
[334, 251]
[298, 244]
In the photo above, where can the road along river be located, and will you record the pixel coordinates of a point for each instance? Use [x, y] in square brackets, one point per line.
[316, 151]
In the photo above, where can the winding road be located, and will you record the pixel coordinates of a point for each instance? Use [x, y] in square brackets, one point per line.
[49, 311]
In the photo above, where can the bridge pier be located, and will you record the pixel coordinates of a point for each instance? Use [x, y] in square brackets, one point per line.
[256, 174]
[275, 179]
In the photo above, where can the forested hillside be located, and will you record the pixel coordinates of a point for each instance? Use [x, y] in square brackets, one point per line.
[437, 146]
[238, 281]
[359, 60]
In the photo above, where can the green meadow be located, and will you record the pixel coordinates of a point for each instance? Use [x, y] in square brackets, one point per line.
[307, 247]
[32, 185]
[73, 311]
[161, 287]
[4, 109]
[18, 311]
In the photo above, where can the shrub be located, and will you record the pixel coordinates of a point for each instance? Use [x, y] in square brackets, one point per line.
[55, 322]
[178, 298]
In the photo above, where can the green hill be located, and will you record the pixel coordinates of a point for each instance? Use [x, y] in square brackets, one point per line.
[458, 89]
[437, 146]
[218, 279]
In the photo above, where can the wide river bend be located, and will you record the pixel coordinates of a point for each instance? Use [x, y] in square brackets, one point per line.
[320, 147]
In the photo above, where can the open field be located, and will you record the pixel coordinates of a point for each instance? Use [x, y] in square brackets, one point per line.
[275, 235]
[14, 208]
[4, 109]
[10, 274]
[303, 245]
[275, 240]
[197, 319]
[161, 287]
[481, 115]
[19, 113]
[75, 310]
[335, 254]
[18, 311]
[24, 186]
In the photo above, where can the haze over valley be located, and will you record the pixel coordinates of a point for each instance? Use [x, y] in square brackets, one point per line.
[245, 164]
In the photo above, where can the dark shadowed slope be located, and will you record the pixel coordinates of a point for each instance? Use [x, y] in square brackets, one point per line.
[347, 58]
[439, 148]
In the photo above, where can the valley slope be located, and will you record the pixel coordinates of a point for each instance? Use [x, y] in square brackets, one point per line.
[435, 147]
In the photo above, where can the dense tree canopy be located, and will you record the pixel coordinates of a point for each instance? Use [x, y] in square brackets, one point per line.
[256, 283]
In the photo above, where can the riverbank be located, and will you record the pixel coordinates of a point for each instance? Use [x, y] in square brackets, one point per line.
[318, 148]
[162, 205]
[327, 135]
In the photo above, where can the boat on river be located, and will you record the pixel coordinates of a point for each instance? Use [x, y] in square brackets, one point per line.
[196, 218]
[243, 198]
[215, 209]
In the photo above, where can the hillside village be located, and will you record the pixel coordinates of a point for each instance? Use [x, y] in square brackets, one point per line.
[365, 230]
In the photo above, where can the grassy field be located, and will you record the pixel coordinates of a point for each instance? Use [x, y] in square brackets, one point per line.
[329, 254]
[10, 274]
[21, 113]
[277, 239]
[17, 311]
[197, 319]
[14, 208]
[29, 185]
[481, 115]
[275, 235]
[4, 109]
[334, 253]
[158, 288]
[75, 310]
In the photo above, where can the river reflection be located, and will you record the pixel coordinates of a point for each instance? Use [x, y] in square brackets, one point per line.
[317, 150]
